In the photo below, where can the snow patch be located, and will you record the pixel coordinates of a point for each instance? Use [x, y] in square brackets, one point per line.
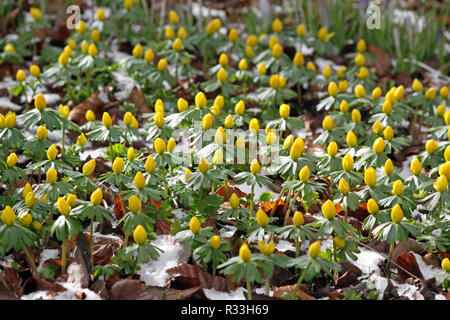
[152, 272]
[47, 254]
[69, 294]
[284, 245]
[213, 294]
[368, 260]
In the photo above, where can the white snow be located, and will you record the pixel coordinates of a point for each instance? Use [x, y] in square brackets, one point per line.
[5, 103]
[237, 294]
[262, 290]
[429, 271]
[47, 254]
[368, 260]
[406, 172]
[284, 245]
[227, 231]
[405, 289]
[69, 294]
[152, 272]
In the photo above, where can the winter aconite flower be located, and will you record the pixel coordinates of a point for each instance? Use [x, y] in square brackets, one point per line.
[8, 216]
[441, 184]
[332, 89]
[415, 167]
[396, 213]
[81, 140]
[347, 162]
[379, 145]
[214, 242]
[255, 167]
[239, 108]
[139, 235]
[304, 174]
[194, 225]
[134, 204]
[97, 197]
[89, 167]
[160, 146]
[262, 218]
[431, 146]
[40, 103]
[244, 253]
[12, 160]
[139, 180]
[372, 206]
[329, 210]
[204, 166]
[51, 176]
[360, 92]
[445, 265]
[338, 242]
[118, 165]
[417, 85]
[52, 152]
[63, 206]
[328, 123]
[332, 149]
[397, 188]
[370, 177]
[25, 219]
[344, 187]
[314, 249]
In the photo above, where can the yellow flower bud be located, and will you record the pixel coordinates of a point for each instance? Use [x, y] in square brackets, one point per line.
[397, 188]
[285, 110]
[139, 180]
[304, 174]
[314, 249]
[441, 184]
[25, 219]
[187, 173]
[431, 146]
[299, 60]
[399, 92]
[222, 75]
[233, 35]
[12, 160]
[162, 65]
[379, 145]
[51, 176]
[9, 48]
[372, 206]
[240, 143]
[84, 48]
[159, 106]
[160, 146]
[118, 165]
[10, 120]
[338, 242]
[72, 200]
[415, 167]
[39, 102]
[430, 94]
[356, 115]
[36, 13]
[106, 120]
[376, 93]
[370, 177]
[92, 51]
[214, 242]
[158, 118]
[81, 140]
[30, 200]
[8, 216]
[266, 248]
[239, 108]
[327, 72]
[95, 35]
[351, 139]
[139, 235]
[360, 92]
[347, 162]
[182, 105]
[63, 207]
[310, 65]
[173, 17]
[360, 60]
[361, 45]
[249, 52]
[277, 50]
[298, 219]
[149, 55]
[89, 167]
[444, 92]
[277, 25]
[182, 33]
[243, 64]
[101, 14]
[20, 75]
[234, 201]
[388, 167]
[344, 187]
[332, 149]
[328, 123]
[97, 197]
[440, 110]
[177, 45]
[297, 149]
[262, 68]
[343, 86]
[417, 85]
[388, 133]
[288, 142]
[244, 253]
[444, 170]
[255, 167]
[171, 144]
[27, 189]
[332, 89]
[396, 213]
[204, 166]
[52, 152]
[329, 210]
[138, 51]
[207, 121]
[229, 123]
[200, 100]
[262, 218]
[300, 30]
[387, 107]
[194, 225]
[134, 204]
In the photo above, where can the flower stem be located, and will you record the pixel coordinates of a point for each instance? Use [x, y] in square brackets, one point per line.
[277, 201]
[300, 280]
[226, 190]
[267, 286]
[64, 256]
[91, 241]
[252, 195]
[125, 240]
[135, 264]
[391, 252]
[30, 260]
[297, 247]
[286, 217]
[63, 137]
[249, 288]
[52, 208]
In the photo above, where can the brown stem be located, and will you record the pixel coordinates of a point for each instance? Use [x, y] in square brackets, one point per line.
[30, 260]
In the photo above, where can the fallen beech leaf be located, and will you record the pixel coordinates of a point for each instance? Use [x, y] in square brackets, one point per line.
[138, 98]
[103, 253]
[360, 213]
[94, 103]
[118, 211]
[267, 206]
[408, 262]
[12, 280]
[406, 246]
[189, 275]
[127, 289]
[231, 190]
[290, 289]
[348, 275]
[163, 227]
[35, 283]
[158, 293]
